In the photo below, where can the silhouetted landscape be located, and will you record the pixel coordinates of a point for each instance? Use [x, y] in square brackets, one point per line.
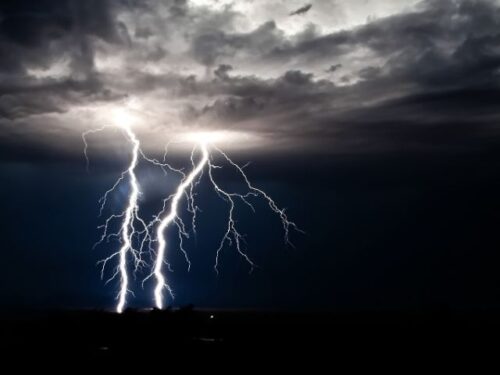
[109, 334]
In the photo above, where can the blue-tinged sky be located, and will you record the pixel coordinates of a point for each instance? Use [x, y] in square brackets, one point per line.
[388, 233]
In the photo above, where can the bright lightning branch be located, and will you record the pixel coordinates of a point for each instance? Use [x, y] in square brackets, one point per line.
[135, 235]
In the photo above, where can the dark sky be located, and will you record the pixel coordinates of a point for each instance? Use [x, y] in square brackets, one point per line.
[376, 124]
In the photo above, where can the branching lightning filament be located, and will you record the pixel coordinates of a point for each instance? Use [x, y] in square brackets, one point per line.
[140, 240]
[133, 233]
[231, 235]
[173, 217]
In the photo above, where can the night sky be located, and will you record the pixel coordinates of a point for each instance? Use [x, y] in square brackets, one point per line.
[375, 123]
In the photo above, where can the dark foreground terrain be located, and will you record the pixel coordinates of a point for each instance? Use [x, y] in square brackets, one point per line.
[293, 335]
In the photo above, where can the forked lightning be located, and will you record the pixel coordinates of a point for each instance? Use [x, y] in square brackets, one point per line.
[135, 235]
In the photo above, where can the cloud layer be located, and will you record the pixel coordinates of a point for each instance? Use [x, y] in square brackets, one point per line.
[417, 76]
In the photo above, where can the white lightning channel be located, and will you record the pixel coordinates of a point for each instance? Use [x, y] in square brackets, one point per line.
[135, 235]
[127, 225]
[130, 218]
[231, 235]
[171, 218]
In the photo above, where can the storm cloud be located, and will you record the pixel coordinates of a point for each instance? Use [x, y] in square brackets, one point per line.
[301, 10]
[422, 77]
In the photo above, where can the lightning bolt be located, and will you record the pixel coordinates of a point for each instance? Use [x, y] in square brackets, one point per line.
[231, 235]
[129, 219]
[135, 235]
[167, 220]
[127, 228]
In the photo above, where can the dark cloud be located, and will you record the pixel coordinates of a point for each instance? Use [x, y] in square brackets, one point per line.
[433, 60]
[370, 72]
[47, 96]
[143, 32]
[452, 39]
[301, 10]
[297, 78]
[222, 71]
[333, 68]
[36, 35]
[409, 70]
[210, 45]
[408, 39]
[30, 29]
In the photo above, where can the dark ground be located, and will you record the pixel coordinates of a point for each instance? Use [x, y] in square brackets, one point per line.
[291, 337]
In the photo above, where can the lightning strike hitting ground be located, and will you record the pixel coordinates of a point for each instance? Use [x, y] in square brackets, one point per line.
[135, 235]
[231, 235]
[130, 217]
[130, 212]
[171, 217]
